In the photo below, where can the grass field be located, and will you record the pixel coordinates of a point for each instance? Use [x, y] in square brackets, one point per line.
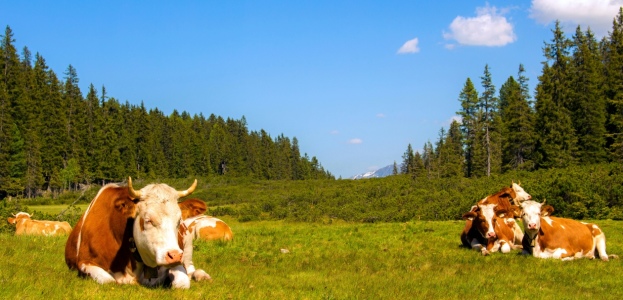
[413, 260]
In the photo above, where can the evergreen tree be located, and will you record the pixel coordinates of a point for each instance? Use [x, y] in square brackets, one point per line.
[587, 103]
[408, 162]
[517, 125]
[556, 145]
[613, 61]
[470, 119]
[450, 152]
[488, 104]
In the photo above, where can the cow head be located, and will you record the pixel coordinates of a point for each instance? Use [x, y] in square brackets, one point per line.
[156, 223]
[192, 207]
[520, 194]
[531, 214]
[482, 216]
[19, 216]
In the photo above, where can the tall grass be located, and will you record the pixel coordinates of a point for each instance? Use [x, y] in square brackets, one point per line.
[412, 260]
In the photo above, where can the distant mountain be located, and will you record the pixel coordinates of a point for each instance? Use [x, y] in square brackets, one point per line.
[382, 172]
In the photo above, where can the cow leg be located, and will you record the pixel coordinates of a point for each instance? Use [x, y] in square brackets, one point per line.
[600, 246]
[180, 279]
[200, 275]
[197, 274]
[98, 274]
[124, 278]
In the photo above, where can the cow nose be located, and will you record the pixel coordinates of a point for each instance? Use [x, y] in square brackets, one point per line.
[529, 197]
[174, 257]
[490, 235]
[532, 226]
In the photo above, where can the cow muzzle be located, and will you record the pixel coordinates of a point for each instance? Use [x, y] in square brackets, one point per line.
[174, 257]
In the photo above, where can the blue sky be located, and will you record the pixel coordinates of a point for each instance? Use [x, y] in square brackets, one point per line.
[354, 81]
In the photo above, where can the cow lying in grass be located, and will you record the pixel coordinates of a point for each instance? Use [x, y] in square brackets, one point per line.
[487, 229]
[24, 225]
[560, 238]
[490, 225]
[126, 235]
[201, 226]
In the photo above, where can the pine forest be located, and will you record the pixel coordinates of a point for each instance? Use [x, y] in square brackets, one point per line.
[54, 138]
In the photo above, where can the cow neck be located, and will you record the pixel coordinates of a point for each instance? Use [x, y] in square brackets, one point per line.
[132, 243]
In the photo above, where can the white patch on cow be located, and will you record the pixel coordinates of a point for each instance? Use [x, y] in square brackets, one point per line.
[549, 221]
[161, 217]
[97, 273]
[488, 212]
[180, 279]
[520, 194]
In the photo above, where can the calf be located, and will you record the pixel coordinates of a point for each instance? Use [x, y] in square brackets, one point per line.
[560, 238]
[24, 225]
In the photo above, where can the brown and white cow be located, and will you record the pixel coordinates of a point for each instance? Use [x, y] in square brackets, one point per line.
[125, 230]
[25, 225]
[487, 230]
[201, 226]
[483, 223]
[561, 238]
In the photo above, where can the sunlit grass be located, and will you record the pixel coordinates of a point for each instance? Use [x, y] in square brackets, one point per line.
[413, 260]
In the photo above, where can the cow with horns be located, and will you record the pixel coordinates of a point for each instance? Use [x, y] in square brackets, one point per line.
[125, 232]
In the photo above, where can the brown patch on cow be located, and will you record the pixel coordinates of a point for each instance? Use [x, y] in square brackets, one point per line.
[110, 219]
[220, 232]
[192, 207]
[571, 235]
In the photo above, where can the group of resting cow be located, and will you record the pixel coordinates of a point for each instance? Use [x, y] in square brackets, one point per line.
[133, 236]
[145, 236]
[491, 226]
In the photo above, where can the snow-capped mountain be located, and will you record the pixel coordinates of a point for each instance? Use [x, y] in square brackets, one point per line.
[382, 172]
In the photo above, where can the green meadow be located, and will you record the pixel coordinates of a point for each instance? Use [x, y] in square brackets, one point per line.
[409, 260]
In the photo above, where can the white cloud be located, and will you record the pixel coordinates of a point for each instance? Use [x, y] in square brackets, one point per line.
[380, 115]
[488, 28]
[596, 14]
[409, 47]
[355, 141]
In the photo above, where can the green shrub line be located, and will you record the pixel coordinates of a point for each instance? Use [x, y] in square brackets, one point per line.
[579, 192]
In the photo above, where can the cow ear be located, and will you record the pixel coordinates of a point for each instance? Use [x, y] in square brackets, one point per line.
[547, 210]
[470, 215]
[501, 213]
[125, 206]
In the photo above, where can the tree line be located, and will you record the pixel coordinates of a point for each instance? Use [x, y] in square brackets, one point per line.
[575, 118]
[53, 138]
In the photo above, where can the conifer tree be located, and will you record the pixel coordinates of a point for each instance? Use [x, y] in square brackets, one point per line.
[587, 103]
[469, 121]
[613, 61]
[408, 162]
[517, 124]
[488, 103]
[556, 145]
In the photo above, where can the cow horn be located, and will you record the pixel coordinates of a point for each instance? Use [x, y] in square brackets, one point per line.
[189, 190]
[133, 194]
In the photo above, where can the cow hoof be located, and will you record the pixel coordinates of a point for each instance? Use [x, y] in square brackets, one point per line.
[201, 275]
[485, 252]
[613, 256]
